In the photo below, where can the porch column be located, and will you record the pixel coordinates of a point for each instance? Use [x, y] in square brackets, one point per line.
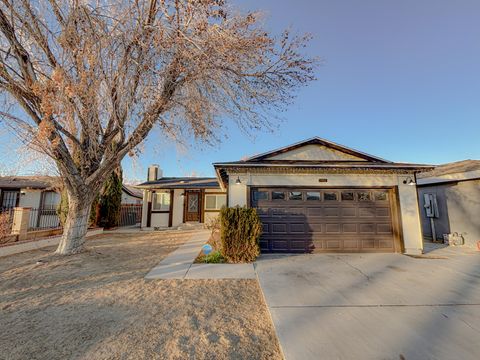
[412, 230]
[21, 219]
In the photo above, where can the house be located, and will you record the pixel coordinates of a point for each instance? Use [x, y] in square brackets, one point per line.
[449, 197]
[173, 201]
[40, 193]
[318, 196]
[131, 195]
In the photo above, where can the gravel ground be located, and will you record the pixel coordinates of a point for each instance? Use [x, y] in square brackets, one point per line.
[97, 305]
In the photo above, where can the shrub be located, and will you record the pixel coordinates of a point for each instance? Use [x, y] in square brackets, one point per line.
[214, 258]
[240, 230]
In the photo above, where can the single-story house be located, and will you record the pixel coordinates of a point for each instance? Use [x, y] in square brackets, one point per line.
[40, 193]
[131, 195]
[449, 198]
[173, 201]
[319, 196]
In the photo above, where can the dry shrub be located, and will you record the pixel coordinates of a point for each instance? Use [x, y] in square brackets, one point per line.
[5, 226]
[240, 234]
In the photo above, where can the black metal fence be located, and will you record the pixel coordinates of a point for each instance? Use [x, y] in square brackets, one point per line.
[130, 214]
[41, 219]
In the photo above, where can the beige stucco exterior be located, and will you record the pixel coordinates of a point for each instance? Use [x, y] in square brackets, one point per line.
[410, 220]
[314, 152]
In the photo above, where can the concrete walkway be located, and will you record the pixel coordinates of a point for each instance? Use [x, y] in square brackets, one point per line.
[179, 264]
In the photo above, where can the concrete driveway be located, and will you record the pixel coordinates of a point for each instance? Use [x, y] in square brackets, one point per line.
[375, 306]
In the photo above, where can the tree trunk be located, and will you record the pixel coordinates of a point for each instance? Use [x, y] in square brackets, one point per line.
[76, 225]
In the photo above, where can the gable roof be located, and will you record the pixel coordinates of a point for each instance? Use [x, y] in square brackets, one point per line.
[354, 161]
[451, 172]
[132, 191]
[353, 154]
[180, 183]
[30, 182]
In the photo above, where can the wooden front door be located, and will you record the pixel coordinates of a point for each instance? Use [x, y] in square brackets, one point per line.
[192, 206]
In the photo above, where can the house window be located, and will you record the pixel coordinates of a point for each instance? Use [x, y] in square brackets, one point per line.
[50, 200]
[161, 201]
[9, 198]
[215, 202]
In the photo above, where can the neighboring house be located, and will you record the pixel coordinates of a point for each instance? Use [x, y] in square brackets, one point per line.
[318, 196]
[131, 195]
[173, 201]
[37, 192]
[449, 198]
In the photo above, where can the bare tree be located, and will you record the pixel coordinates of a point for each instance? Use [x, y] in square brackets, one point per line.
[91, 79]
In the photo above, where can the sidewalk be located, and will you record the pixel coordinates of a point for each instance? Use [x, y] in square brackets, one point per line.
[179, 264]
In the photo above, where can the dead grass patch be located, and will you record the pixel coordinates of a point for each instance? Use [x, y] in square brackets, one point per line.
[97, 305]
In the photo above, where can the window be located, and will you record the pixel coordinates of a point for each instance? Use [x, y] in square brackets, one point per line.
[278, 195]
[364, 196]
[161, 201]
[260, 195]
[215, 202]
[50, 200]
[313, 195]
[348, 196]
[381, 196]
[330, 196]
[295, 195]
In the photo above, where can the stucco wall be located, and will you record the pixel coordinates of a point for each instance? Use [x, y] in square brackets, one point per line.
[178, 201]
[459, 210]
[30, 199]
[159, 219]
[407, 194]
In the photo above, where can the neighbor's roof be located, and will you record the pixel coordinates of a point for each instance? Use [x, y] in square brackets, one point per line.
[29, 182]
[132, 191]
[181, 183]
[452, 168]
[451, 172]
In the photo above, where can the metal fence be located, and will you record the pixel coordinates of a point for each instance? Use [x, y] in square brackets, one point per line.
[130, 214]
[41, 219]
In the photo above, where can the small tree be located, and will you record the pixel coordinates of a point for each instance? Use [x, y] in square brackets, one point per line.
[86, 81]
[110, 200]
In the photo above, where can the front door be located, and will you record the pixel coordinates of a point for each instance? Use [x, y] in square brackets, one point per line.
[192, 206]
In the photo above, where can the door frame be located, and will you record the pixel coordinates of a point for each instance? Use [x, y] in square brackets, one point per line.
[200, 204]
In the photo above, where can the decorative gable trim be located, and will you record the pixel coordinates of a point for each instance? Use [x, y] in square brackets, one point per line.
[272, 155]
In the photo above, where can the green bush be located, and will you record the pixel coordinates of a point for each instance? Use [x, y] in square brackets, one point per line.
[214, 258]
[240, 230]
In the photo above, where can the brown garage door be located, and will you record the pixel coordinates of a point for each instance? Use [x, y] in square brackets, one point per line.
[323, 220]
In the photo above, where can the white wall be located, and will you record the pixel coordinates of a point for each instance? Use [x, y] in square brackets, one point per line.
[407, 194]
[178, 200]
[30, 199]
[160, 219]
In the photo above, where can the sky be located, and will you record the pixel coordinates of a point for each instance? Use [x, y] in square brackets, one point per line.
[399, 80]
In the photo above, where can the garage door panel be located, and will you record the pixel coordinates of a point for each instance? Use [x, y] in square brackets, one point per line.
[332, 220]
[349, 228]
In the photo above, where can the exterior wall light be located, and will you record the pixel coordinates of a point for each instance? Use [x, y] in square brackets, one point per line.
[238, 182]
[409, 181]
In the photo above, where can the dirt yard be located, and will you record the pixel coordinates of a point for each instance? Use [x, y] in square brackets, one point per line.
[96, 305]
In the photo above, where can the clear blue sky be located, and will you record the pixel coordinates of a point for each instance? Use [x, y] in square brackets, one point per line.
[400, 80]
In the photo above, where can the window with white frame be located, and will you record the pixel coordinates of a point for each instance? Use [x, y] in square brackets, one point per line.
[161, 201]
[215, 201]
[50, 200]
